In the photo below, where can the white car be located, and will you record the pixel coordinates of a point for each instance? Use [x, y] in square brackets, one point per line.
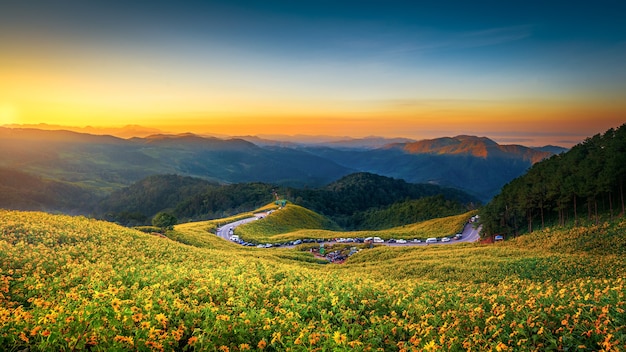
[445, 239]
[401, 241]
[378, 240]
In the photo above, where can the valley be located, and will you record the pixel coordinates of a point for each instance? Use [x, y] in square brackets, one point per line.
[556, 281]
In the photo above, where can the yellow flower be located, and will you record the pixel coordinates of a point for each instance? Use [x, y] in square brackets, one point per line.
[339, 338]
[161, 318]
[431, 346]
[502, 347]
[276, 337]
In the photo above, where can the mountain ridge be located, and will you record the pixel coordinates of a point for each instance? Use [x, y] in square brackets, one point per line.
[106, 163]
[482, 147]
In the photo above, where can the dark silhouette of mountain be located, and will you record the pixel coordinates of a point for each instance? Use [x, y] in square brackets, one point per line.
[21, 191]
[554, 149]
[367, 143]
[107, 163]
[344, 143]
[103, 164]
[127, 131]
[476, 165]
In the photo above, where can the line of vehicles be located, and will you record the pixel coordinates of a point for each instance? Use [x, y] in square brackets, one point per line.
[236, 239]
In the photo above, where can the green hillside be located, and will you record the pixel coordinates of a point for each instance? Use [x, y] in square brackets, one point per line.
[22, 191]
[584, 184]
[362, 201]
[71, 283]
[359, 201]
[288, 219]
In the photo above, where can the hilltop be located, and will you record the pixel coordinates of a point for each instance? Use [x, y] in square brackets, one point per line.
[481, 147]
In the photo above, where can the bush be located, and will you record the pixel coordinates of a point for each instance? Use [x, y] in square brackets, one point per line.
[164, 220]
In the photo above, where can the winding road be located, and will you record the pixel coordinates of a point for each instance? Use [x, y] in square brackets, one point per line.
[470, 234]
[224, 231]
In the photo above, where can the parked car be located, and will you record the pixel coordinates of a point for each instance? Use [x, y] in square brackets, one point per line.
[431, 240]
[401, 241]
[498, 238]
[378, 240]
[415, 240]
[445, 239]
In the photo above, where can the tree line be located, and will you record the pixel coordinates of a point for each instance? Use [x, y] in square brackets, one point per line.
[585, 182]
[357, 201]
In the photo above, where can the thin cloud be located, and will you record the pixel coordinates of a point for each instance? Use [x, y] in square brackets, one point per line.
[493, 36]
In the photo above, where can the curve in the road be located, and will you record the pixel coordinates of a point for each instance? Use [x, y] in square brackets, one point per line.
[470, 234]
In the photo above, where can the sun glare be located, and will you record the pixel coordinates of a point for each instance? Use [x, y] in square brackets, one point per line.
[8, 114]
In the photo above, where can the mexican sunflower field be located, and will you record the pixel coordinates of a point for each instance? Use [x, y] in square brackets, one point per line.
[72, 284]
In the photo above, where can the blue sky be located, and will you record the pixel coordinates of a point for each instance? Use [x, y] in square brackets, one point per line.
[317, 67]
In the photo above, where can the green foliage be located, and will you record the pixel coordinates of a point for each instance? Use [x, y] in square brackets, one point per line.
[185, 197]
[359, 201]
[164, 220]
[147, 229]
[226, 200]
[407, 212]
[150, 196]
[351, 201]
[587, 181]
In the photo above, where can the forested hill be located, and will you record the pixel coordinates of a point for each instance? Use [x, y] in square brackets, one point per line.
[587, 181]
[354, 201]
[346, 199]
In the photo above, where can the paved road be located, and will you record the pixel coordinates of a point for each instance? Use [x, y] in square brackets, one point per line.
[470, 234]
[224, 231]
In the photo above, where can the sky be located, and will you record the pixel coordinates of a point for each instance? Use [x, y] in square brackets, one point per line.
[527, 72]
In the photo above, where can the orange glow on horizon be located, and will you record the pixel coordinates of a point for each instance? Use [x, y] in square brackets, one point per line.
[354, 120]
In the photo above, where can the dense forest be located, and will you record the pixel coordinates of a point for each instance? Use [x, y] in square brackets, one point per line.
[187, 198]
[586, 182]
[407, 212]
[357, 201]
[350, 200]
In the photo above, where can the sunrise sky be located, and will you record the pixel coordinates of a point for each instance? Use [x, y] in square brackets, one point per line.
[516, 71]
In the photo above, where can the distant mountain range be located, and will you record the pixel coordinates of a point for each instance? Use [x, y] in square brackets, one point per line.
[101, 164]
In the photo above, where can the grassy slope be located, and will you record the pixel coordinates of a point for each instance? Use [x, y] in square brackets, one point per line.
[69, 283]
[295, 222]
[289, 219]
